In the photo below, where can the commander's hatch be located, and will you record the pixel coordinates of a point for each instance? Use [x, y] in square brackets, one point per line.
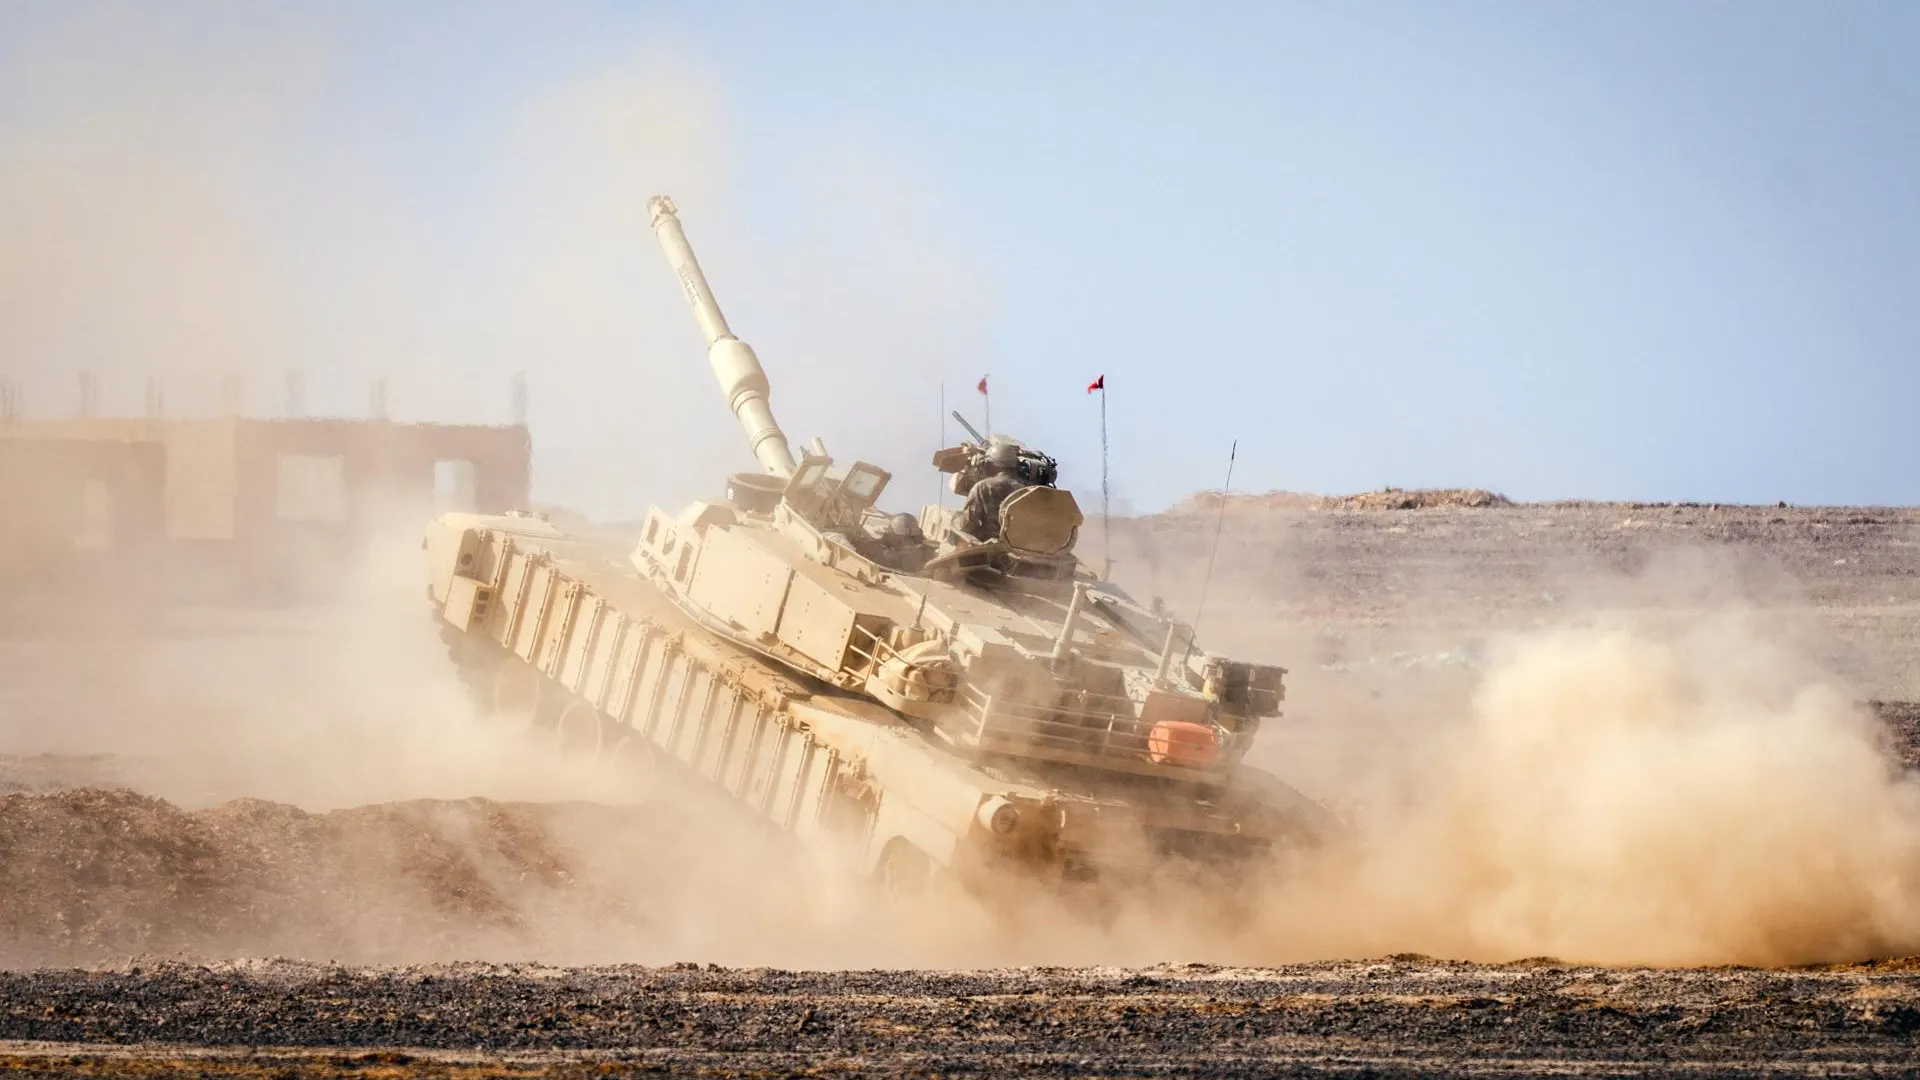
[830, 501]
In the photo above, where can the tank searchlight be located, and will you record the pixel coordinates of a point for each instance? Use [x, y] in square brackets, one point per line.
[742, 379]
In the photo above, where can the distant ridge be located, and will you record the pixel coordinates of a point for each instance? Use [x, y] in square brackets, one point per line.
[1390, 498]
[1476, 499]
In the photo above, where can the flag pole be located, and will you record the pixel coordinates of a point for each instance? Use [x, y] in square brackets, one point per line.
[1106, 518]
[1106, 502]
[986, 407]
[942, 493]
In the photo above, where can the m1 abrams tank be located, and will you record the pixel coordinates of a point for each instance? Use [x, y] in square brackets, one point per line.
[953, 691]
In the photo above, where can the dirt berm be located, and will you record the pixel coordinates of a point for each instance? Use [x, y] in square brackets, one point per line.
[90, 875]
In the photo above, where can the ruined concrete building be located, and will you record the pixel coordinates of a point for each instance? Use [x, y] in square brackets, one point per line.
[245, 506]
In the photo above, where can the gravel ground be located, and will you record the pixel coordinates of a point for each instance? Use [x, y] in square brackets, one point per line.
[1902, 720]
[1401, 1016]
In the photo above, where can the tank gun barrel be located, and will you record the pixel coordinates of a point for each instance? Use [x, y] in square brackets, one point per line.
[741, 378]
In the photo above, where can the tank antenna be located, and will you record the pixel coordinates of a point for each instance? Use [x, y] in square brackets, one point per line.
[1218, 524]
[979, 439]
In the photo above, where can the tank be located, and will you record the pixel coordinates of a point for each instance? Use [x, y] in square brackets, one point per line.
[988, 707]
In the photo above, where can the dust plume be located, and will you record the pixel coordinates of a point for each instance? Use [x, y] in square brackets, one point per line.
[1622, 796]
[333, 792]
[218, 197]
[133, 161]
[1582, 732]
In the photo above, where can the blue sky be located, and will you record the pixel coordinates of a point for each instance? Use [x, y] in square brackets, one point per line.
[1621, 250]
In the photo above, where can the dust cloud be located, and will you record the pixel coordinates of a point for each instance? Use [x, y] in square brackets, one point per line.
[331, 791]
[1611, 789]
[216, 199]
[1594, 749]
[1618, 795]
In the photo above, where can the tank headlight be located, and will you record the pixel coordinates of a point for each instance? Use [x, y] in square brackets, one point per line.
[1004, 820]
[1000, 816]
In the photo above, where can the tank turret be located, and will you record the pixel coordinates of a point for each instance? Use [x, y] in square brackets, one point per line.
[978, 626]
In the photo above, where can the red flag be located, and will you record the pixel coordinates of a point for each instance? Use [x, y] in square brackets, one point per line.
[1097, 384]
[983, 384]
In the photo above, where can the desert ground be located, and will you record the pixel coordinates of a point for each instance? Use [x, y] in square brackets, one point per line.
[1632, 780]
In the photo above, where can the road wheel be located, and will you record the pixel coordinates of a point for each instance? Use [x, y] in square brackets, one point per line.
[580, 733]
[474, 665]
[522, 697]
[905, 872]
[516, 694]
[636, 757]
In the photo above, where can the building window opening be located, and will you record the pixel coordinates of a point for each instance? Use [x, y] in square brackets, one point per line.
[454, 486]
[96, 517]
[312, 488]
